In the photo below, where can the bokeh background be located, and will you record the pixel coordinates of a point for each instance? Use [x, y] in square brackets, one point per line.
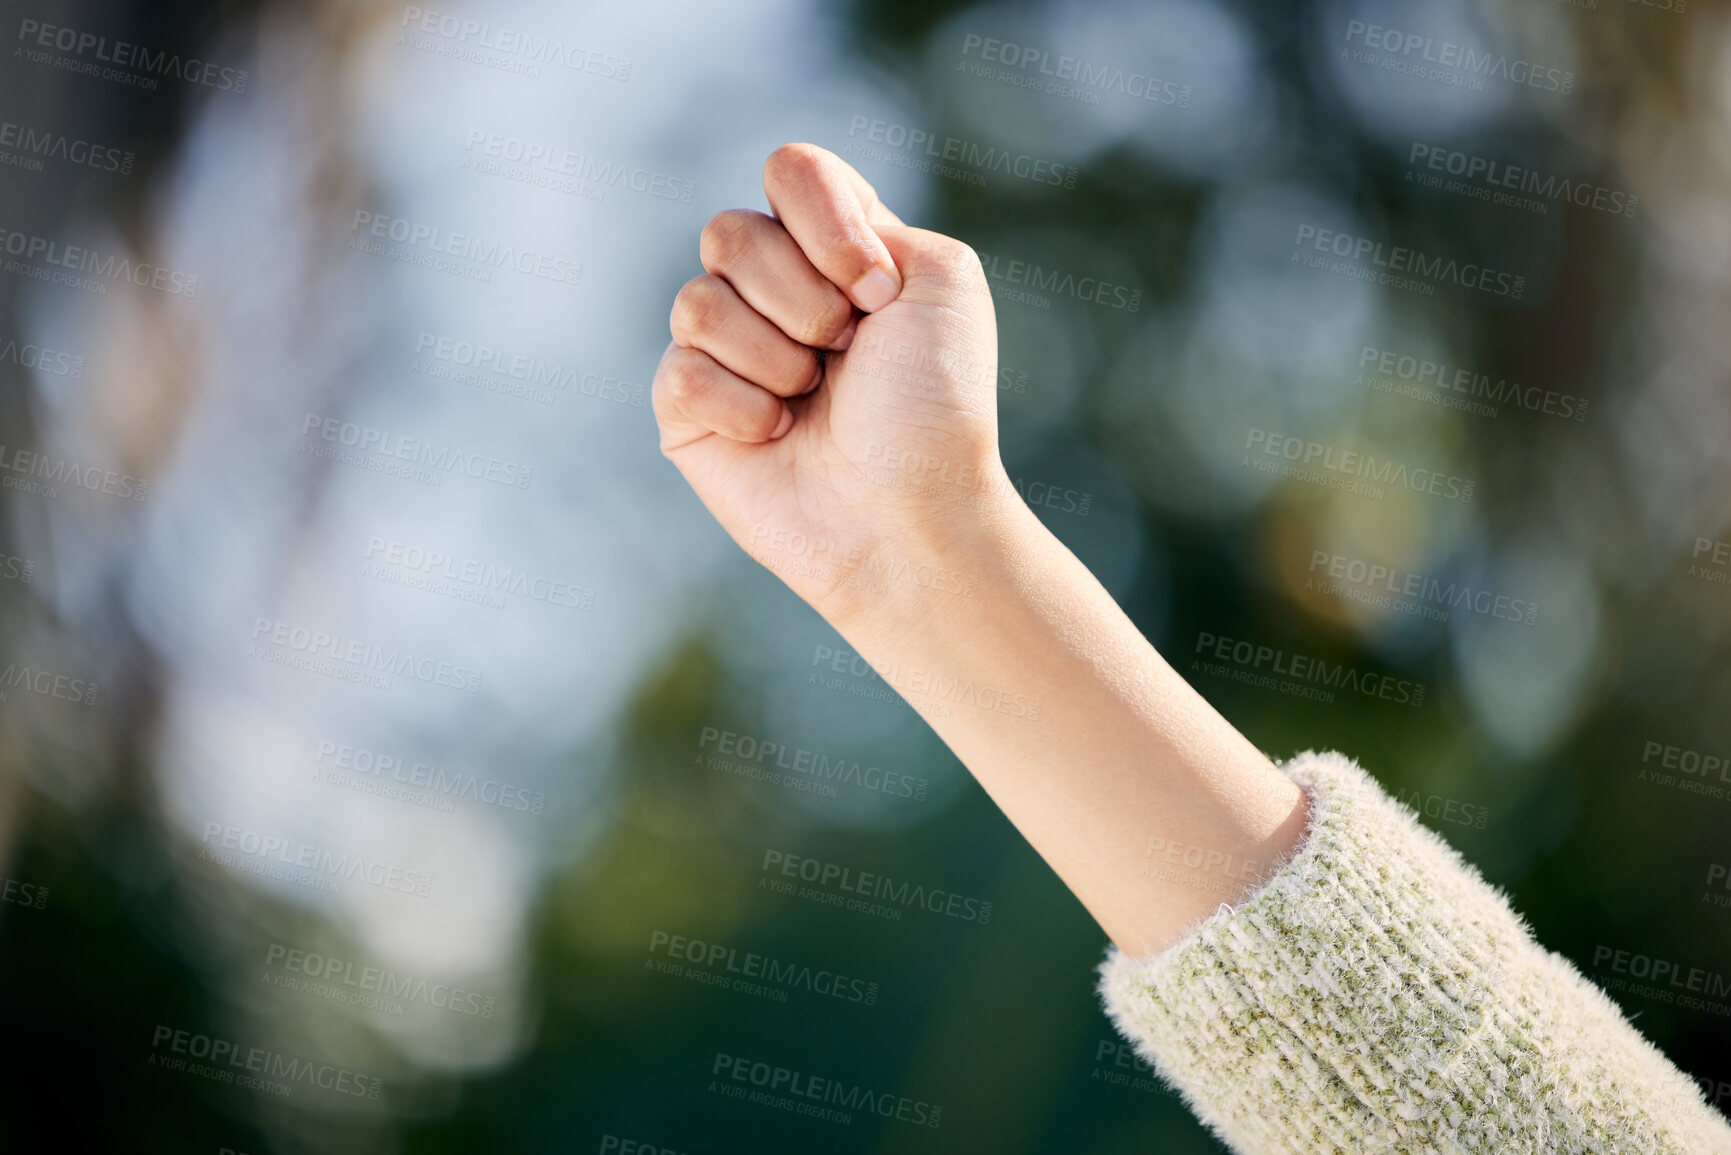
[380, 709]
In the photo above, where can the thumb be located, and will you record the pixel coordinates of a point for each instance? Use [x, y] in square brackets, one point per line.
[943, 321]
[938, 270]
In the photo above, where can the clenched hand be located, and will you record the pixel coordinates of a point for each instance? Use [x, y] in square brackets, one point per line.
[831, 389]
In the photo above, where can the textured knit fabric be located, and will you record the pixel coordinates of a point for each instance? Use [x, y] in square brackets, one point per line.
[1376, 994]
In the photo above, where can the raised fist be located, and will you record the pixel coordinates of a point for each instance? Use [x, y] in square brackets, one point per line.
[831, 389]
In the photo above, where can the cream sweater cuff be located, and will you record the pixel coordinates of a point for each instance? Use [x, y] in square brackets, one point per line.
[1376, 994]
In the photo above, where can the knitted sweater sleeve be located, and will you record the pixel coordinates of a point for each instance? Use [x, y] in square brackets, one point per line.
[1376, 994]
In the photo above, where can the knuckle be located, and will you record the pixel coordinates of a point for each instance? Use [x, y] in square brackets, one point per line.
[726, 237]
[698, 309]
[956, 258]
[849, 239]
[763, 424]
[792, 163]
[800, 376]
[952, 264]
[684, 379]
[966, 261]
[826, 323]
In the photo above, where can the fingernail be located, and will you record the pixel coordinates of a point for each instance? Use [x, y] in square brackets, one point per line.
[874, 290]
[782, 426]
[841, 343]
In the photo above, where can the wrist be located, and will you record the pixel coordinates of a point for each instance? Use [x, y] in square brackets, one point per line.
[943, 564]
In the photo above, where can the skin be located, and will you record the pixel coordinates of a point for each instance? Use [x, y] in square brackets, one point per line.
[869, 480]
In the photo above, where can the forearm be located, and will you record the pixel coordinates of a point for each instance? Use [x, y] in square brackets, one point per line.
[1100, 752]
[1091, 744]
